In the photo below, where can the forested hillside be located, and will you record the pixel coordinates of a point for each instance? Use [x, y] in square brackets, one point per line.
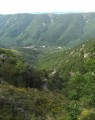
[46, 29]
[66, 64]
[61, 87]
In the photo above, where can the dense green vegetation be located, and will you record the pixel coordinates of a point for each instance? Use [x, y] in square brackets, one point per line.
[27, 104]
[61, 87]
[46, 29]
[14, 71]
[30, 56]
[69, 63]
[72, 72]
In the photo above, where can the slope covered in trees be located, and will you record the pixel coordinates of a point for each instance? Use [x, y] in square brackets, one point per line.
[69, 76]
[14, 71]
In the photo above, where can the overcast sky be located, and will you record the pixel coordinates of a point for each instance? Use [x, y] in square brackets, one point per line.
[30, 6]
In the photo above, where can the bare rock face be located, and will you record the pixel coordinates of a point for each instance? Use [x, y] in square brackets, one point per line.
[45, 85]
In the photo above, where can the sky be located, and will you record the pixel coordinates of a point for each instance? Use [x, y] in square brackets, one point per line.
[31, 6]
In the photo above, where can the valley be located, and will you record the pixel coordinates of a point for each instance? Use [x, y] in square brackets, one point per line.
[47, 66]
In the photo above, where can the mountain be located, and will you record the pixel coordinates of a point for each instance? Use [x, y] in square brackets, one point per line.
[41, 78]
[46, 29]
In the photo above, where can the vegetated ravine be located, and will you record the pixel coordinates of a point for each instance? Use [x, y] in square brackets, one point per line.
[43, 79]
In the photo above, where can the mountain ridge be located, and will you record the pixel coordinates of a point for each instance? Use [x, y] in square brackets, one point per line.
[46, 29]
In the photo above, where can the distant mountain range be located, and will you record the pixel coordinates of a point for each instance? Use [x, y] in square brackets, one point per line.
[46, 29]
